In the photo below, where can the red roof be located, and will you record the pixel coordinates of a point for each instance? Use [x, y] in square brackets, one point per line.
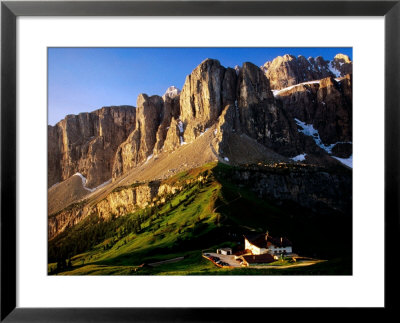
[242, 252]
[259, 259]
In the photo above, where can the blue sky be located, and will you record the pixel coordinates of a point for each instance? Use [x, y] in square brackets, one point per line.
[86, 79]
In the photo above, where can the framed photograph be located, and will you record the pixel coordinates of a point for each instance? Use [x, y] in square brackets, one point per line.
[197, 160]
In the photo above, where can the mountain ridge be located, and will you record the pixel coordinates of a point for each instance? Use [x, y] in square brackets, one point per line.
[180, 117]
[228, 115]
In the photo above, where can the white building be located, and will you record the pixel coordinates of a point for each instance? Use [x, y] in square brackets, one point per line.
[224, 251]
[264, 243]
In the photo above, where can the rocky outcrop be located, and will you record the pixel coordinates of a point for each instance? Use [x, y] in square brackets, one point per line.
[140, 143]
[342, 150]
[86, 143]
[119, 202]
[170, 111]
[126, 201]
[326, 105]
[288, 70]
[334, 116]
[174, 137]
[260, 117]
[311, 187]
[154, 117]
[342, 65]
[64, 219]
[205, 93]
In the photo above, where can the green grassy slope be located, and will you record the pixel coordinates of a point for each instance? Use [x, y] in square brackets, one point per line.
[205, 214]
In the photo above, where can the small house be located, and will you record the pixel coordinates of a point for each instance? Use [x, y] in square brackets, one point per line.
[224, 251]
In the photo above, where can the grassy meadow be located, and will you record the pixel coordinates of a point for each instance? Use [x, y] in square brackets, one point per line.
[209, 212]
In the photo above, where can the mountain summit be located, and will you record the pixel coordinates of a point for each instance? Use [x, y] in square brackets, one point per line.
[289, 70]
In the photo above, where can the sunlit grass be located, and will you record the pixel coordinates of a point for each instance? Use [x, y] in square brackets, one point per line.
[196, 218]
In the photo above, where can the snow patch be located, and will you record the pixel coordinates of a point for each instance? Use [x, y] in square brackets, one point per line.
[182, 142]
[277, 92]
[180, 126]
[237, 69]
[226, 159]
[309, 130]
[334, 70]
[149, 157]
[346, 161]
[83, 179]
[91, 189]
[300, 157]
[172, 92]
[215, 131]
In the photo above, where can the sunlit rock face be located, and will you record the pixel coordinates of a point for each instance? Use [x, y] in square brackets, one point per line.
[289, 70]
[206, 91]
[262, 103]
[140, 143]
[86, 143]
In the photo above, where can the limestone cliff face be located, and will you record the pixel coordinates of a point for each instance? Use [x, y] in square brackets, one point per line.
[260, 117]
[288, 70]
[170, 111]
[334, 116]
[326, 105]
[64, 219]
[313, 188]
[86, 143]
[205, 93]
[112, 141]
[140, 143]
[173, 136]
[120, 202]
[211, 89]
[342, 64]
[126, 201]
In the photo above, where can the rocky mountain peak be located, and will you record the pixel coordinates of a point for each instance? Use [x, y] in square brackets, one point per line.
[288, 70]
[201, 98]
[172, 92]
[341, 65]
[233, 101]
[237, 69]
[149, 109]
[253, 86]
[288, 57]
[342, 57]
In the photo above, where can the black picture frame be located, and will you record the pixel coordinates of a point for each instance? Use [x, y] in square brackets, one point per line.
[10, 10]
